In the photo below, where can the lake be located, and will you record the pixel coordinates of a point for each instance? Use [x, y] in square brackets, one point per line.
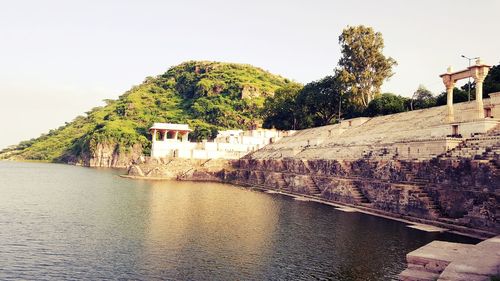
[65, 222]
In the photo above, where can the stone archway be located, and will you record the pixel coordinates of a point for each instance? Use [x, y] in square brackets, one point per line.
[478, 72]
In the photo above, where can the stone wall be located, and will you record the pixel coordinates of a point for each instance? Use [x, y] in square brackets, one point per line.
[178, 168]
[463, 192]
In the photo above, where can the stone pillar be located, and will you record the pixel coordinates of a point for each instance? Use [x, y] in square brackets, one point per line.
[154, 135]
[165, 135]
[185, 137]
[480, 70]
[450, 84]
[449, 99]
[479, 97]
[153, 144]
[176, 133]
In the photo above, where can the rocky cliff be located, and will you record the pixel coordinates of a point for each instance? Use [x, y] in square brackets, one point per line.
[106, 155]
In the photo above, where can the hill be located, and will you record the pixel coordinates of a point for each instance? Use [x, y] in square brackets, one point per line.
[209, 96]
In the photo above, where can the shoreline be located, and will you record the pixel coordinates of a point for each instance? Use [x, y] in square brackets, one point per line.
[412, 222]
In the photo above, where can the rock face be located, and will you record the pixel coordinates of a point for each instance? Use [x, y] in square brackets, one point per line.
[464, 192]
[107, 155]
[179, 169]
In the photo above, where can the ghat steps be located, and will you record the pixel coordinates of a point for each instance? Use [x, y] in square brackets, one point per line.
[482, 147]
[352, 142]
[407, 163]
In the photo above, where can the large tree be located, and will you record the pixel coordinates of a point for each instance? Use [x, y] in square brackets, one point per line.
[422, 98]
[282, 111]
[321, 100]
[363, 66]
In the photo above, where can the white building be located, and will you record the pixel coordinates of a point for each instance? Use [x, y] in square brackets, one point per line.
[171, 140]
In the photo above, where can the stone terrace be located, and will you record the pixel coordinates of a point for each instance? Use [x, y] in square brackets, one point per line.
[420, 134]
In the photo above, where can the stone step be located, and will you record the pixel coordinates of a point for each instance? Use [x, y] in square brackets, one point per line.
[435, 256]
[417, 180]
[414, 274]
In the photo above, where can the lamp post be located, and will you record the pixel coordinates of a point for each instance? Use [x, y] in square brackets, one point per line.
[470, 59]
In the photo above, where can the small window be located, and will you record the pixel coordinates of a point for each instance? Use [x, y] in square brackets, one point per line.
[454, 130]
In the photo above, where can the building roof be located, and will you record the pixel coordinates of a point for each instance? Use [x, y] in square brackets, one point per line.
[170, 127]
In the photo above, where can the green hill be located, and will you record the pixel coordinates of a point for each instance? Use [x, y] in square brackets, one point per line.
[209, 96]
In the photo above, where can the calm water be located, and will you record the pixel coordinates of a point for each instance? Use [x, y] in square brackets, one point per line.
[65, 222]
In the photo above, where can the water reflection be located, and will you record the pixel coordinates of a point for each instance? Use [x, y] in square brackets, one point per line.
[208, 224]
[60, 222]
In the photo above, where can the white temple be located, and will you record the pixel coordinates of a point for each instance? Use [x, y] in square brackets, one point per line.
[171, 140]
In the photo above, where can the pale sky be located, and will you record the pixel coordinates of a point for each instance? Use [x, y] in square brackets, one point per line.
[58, 59]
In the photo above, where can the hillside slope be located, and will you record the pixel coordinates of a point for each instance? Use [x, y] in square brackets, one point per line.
[209, 96]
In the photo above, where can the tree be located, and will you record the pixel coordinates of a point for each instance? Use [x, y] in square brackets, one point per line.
[422, 98]
[363, 66]
[282, 110]
[492, 81]
[386, 104]
[321, 100]
[458, 96]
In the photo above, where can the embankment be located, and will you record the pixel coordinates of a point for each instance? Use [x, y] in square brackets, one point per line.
[178, 169]
[465, 198]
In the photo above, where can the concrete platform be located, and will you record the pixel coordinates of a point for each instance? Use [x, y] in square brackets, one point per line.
[411, 274]
[300, 198]
[479, 263]
[437, 255]
[427, 228]
[446, 261]
[347, 209]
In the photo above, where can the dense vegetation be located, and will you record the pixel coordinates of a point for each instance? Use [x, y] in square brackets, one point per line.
[209, 96]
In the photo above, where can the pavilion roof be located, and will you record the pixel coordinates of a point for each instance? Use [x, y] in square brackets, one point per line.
[170, 127]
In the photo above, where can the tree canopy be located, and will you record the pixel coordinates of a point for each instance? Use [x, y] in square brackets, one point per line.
[363, 66]
[422, 98]
[282, 111]
[385, 104]
[492, 81]
[321, 100]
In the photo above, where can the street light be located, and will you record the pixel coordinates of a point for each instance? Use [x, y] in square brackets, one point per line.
[470, 59]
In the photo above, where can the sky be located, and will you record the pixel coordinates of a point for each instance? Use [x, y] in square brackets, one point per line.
[58, 59]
